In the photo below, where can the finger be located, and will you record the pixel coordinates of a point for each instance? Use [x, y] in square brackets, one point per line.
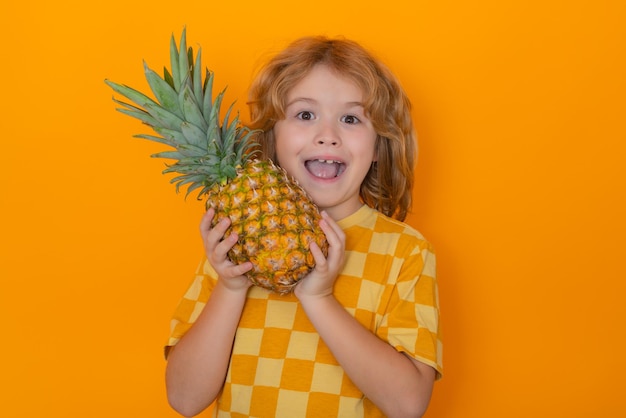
[332, 224]
[223, 246]
[336, 239]
[318, 256]
[242, 269]
[205, 223]
[213, 236]
[334, 234]
[221, 227]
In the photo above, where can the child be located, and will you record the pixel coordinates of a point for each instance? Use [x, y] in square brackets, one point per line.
[359, 336]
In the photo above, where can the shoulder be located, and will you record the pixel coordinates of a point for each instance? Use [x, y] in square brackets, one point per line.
[383, 224]
[370, 230]
[386, 224]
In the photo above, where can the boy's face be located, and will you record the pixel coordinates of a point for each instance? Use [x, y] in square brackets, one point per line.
[325, 141]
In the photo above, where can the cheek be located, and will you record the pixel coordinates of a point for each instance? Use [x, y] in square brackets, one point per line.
[282, 152]
[286, 138]
[281, 133]
[367, 147]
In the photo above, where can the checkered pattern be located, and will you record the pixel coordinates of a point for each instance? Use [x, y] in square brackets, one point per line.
[281, 368]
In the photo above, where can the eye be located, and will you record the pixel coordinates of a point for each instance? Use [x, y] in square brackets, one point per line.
[305, 115]
[350, 119]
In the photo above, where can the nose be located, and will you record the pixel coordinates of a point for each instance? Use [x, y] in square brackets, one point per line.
[328, 135]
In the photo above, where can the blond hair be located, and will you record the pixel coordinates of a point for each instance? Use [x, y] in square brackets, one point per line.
[388, 184]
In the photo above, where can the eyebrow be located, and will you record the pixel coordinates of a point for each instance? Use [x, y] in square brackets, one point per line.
[301, 99]
[313, 101]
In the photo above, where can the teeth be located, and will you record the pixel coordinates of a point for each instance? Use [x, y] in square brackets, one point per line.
[328, 161]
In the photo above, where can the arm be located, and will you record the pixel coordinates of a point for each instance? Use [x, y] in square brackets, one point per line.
[197, 366]
[395, 383]
[398, 385]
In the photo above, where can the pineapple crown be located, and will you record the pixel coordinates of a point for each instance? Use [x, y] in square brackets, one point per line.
[186, 117]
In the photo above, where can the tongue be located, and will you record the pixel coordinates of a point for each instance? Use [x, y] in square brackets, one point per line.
[322, 169]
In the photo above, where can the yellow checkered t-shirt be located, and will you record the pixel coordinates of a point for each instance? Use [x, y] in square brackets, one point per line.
[280, 367]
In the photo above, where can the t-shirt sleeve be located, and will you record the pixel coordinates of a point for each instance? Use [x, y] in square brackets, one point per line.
[191, 304]
[411, 324]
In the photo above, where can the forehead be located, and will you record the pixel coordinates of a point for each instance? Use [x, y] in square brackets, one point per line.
[323, 81]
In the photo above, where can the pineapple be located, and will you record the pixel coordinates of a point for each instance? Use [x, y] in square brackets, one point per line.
[272, 215]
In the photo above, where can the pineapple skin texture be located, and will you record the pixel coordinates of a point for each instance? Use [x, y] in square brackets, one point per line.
[275, 221]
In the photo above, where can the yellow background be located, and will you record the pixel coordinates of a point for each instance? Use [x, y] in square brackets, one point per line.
[520, 108]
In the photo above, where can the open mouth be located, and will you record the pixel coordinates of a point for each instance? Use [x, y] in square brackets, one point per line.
[325, 169]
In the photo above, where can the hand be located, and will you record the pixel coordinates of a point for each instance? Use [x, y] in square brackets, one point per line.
[320, 281]
[216, 246]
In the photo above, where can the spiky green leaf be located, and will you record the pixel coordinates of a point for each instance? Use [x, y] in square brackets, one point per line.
[164, 118]
[155, 138]
[183, 60]
[186, 117]
[193, 134]
[130, 93]
[168, 77]
[191, 109]
[163, 92]
[176, 76]
[192, 150]
[170, 155]
[198, 92]
[138, 114]
[176, 136]
[207, 105]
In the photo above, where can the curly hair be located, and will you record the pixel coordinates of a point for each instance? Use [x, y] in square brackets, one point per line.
[388, 185]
